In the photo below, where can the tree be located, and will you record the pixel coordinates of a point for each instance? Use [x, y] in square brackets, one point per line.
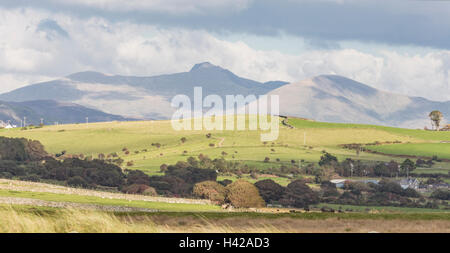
[183, 139]
[298, 194]
[442, 194]
[269, 190]
[163, 167]
[244, 194]
[77, 181]
[210, 190]
[436, 117]
[407, 166]
[137, 177]
[393, 168]
[328, 159]
[328, 189]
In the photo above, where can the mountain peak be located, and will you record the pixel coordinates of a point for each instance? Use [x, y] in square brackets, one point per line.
[85, 74]
[203, 65]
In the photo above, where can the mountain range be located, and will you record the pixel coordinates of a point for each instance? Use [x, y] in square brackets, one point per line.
[139, 97]
[333, 98]
[51, 112]
[328, 98]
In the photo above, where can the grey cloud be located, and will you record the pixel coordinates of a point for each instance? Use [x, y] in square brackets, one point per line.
[419, 23]
[51, 28]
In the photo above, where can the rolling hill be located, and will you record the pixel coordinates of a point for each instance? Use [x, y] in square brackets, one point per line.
[51, 111]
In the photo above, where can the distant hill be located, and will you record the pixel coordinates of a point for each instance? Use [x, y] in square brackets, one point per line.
[333, 98]
[51, 111]
[328, 98]
[140, 97]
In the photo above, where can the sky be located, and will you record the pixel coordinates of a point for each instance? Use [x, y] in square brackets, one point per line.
[402, 46]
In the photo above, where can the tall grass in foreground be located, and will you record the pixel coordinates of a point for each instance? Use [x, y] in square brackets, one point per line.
[14, 219]
[66, 220]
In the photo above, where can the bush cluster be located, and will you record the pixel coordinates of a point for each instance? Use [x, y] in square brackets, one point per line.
[243, 194]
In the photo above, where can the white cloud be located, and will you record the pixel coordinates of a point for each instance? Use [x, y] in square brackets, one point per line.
[136, 49]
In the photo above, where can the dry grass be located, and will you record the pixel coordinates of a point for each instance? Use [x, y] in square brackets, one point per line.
[13, 220]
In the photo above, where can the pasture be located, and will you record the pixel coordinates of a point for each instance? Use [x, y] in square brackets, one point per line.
[305, 142]
[440, 150]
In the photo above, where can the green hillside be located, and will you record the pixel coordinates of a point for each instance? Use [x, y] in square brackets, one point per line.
[305, 142]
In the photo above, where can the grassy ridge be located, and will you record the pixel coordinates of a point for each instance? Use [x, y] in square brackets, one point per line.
[441, 150]
[413, 133]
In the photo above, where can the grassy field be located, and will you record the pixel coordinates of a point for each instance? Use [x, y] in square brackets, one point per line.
[244, 146]
[441, 150]
[413, 133]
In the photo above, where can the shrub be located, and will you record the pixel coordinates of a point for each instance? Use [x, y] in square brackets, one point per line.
[77, 181]
[158, 145]
[32, 178]
[266, 159]
[357, 186]
[171, 186]
[6, 175]
[328, 189]
[96, 172]
[390, 186]
[410, 192]
[269, 190]
[163, 167]
[225, 182]
[150, 191]
[442, 194]
[298, 194]
[243, 194]
[21, 149]
[192, 175]
[136, 189]
[327, 159]
[210, 190]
